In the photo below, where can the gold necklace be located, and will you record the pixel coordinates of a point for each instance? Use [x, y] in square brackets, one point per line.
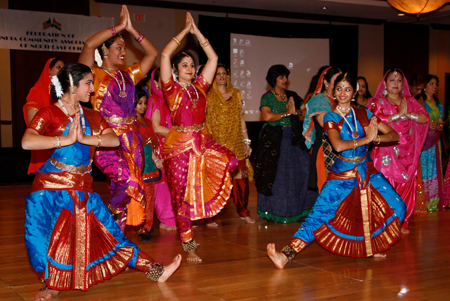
[122, 92]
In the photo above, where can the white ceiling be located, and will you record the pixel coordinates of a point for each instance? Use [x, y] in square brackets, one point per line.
[371, 9]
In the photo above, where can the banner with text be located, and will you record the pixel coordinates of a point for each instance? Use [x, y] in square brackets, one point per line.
[28, 30]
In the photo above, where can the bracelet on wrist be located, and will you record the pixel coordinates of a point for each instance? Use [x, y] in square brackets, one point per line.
[355, 144]
[284, 115]
[57, 142]
[113, 31]
[140, 38]
[99, 139]
[176, 41]
[204, 44]
[395, 117]
[377, 140]
[247, 141]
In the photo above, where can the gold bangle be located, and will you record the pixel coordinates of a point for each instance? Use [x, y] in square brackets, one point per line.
[377, 140]
[176, 41]
[205, 43]
[57, 143]
[355, 144]
[99, 138]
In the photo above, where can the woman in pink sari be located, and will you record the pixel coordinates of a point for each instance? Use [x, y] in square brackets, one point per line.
[158, 112]
[394, 105]
[198, 169]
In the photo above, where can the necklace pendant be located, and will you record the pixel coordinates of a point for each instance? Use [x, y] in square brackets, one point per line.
[123, 94]
[355, 134]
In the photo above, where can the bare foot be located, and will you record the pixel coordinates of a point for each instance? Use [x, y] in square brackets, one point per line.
[404, 231]
[46, 294]
[248, 219]
[213, 224]
[193, 257]
[380, 255]
[170, 269]
[278, 258]
[168, 228]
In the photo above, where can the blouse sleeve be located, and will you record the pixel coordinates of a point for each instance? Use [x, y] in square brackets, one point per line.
[170, 92]
[202, 82]
[135, 73]
[103, 124]
[330, 121]
[266, 102]
[41, 120]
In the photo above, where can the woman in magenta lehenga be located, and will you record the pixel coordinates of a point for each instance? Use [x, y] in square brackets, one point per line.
[198, 169]
[114, 99]
[399, 162]
[158, 112]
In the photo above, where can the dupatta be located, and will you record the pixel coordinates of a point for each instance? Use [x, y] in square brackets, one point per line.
[399, 162]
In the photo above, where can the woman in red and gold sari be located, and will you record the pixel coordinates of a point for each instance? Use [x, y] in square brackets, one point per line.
[198, 169]
[114, 99]
[39, 98]
[71, 237]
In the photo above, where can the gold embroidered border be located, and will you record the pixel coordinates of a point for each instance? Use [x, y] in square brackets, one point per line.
[81, 170]
[365, 207]
[191, 128]
[355, 159]
[297, 244]
[120, 120]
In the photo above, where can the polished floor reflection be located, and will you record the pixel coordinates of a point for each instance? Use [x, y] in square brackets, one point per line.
[235, 266]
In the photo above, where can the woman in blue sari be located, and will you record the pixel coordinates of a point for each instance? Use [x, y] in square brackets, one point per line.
[71, 237]
[358, 213]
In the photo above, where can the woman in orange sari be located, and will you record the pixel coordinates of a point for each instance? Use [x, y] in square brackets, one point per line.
[114, 99]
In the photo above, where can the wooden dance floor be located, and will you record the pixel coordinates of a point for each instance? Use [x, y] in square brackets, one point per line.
[235, 266]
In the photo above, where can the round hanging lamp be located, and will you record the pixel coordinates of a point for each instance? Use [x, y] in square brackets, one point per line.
[417, 7]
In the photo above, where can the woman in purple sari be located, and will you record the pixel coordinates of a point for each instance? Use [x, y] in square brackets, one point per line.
[158, 112]
[398, 162]
[114, 99]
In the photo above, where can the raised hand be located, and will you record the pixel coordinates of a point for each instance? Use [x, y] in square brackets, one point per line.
[124, 16]
[129, 24]
[194, 28]
[187, 27]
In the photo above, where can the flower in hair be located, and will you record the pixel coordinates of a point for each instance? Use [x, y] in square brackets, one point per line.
[98, 58]
[57, 85]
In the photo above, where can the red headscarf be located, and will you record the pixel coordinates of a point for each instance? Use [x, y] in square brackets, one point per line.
[39, 96]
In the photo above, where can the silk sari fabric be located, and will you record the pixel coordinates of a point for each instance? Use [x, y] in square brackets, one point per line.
[358, 213]
[199, 170]
[72, 240]
[123, 165]
[399, 161]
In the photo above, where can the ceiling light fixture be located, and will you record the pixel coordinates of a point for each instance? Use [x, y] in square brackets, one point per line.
[324, 7]
[401, 15]
[417, 7]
